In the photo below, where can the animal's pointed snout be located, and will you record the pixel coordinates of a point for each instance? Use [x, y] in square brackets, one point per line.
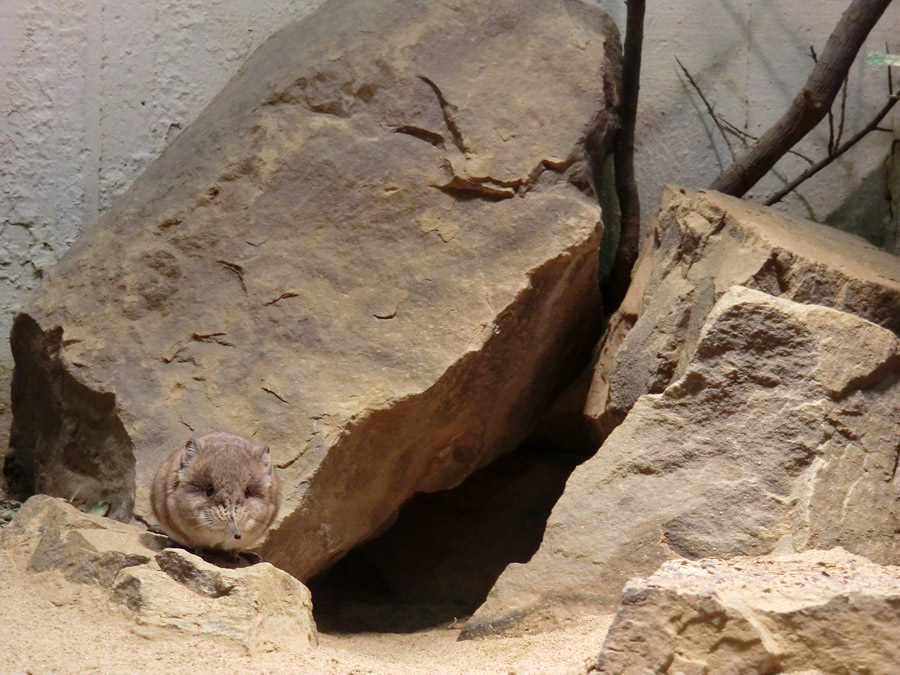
[232, 527]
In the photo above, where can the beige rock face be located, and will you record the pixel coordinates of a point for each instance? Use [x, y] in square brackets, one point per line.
[781, 435]
[374, 251]
[50, 534]
[816, 612]
[159, 592]
[705, 242]
[260, 608]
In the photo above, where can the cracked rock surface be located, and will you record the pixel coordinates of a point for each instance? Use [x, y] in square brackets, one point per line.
[813, 612]
[780, 436]
[703, 243]
[376, 250]
[127, 576]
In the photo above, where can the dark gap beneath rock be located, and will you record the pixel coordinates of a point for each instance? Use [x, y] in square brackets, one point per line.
[436, 564]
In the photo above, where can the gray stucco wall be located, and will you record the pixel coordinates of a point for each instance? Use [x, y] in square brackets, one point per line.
[751, 57]
[92, 91]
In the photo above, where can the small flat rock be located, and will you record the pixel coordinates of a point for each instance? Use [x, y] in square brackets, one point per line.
[51, 534]
[158, 592]
[259, 608]
[821, 611]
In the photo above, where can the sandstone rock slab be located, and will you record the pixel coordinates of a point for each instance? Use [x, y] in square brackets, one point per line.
[703, 243]
[51, 534]
[158, 592]
[374, 251]
[817, 612]
[781, 435]
[259, 608]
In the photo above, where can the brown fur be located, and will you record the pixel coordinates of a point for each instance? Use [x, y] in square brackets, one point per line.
[217, 492]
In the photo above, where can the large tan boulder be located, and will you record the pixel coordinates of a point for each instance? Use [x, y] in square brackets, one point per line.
[702, 244]
[825, 612]
[156, 592]
[781, 435]
[375, 251]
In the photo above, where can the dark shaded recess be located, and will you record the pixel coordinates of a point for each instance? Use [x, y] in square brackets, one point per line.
[867, 210]
[438, 561]
[66, 439]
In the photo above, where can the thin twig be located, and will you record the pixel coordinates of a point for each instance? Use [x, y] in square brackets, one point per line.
[818, 166]
[725, 126]
[889, 71]
[746, 135]
[740, 133]
[832, 144]
[843, 115]
[834, 138]
[811, 104]
[709, 107]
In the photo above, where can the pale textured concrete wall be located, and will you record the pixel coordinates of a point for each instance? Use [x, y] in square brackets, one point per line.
[92, 91]
[751, 57]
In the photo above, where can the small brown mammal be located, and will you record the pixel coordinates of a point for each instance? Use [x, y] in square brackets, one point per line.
[217, 492]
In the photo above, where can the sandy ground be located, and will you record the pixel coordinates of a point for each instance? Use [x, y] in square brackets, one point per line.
[45, 628]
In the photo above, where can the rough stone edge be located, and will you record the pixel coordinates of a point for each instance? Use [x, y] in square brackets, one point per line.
[44, 381]
[718, 603]
[673, 199]
[537, 615]
[576, 261]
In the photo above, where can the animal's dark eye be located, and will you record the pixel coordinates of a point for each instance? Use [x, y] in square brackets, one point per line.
[209, 490]
[248, 493]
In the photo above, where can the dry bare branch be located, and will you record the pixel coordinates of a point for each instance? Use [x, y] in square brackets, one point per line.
[616, 285]
[717, 120]
[837, 152]
[811, 104]
[725, 127]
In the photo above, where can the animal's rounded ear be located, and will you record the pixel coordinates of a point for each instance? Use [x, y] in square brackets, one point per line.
[189, 452]
[266, 458]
